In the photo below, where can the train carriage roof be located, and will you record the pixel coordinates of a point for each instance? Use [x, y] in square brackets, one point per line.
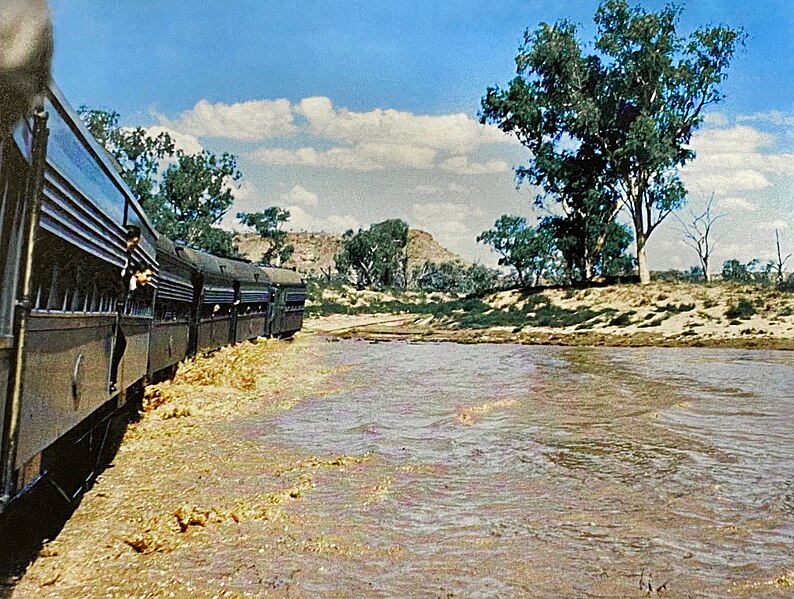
[244, 272]
[284, 276]
[224, 268]
[206, 264]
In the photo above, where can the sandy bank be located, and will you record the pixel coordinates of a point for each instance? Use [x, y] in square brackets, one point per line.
[661, 314]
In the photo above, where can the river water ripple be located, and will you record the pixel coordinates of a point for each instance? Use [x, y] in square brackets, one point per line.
[504, 471]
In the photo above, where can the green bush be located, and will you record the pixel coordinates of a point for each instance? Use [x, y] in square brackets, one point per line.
[742, 310]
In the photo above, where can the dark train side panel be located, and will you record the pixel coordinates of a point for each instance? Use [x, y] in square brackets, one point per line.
[214, 332]
[251, 326]
[168, 344]
[66, 377]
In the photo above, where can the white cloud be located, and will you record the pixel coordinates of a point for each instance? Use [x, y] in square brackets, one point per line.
[772, 117]
[772, 225]
[454, 133]
[300, 195]
[361, 157]
[245, 121]
[379, 139]
[736, 203]
[716, 119]
[335, 158]
[732, 160]
[446, 221]
[301, 220]
[438, 190]
[461, 165]
[182, 141]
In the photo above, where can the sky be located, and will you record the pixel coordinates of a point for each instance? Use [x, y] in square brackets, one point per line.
[351, 112]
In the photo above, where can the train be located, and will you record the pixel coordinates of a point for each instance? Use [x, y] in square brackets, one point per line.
[65, 218]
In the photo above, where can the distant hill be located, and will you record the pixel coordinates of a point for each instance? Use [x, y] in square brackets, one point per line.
[314, 252]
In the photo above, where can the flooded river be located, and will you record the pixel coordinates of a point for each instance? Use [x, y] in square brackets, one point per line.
[505, 471]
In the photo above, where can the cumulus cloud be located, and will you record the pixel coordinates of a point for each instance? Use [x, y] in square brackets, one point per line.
[736, 203]
[772, 117]
[182, 141]
[379, 139]
[437, 190]
[733, 160]
[462, 165]
[301, 220]
[772, 225]
[716, 119]
[335, 158]
[446, 221]
[300, 195]
[450, 133]
[361, 157]
[244, 121]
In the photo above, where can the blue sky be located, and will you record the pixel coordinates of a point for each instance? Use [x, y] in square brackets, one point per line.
[352, 112]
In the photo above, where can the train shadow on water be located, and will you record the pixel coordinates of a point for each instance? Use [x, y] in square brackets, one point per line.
[38, 516]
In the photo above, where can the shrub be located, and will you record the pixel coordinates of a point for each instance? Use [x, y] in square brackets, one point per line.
[621, 320]
[742, 310]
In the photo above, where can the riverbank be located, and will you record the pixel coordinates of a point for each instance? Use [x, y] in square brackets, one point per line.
[660, 314]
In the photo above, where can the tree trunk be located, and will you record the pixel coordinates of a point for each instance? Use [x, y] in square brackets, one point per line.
[588, 268]
[642, 262]
[706, 275]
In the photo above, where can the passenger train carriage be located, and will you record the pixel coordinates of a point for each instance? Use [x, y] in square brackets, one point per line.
[64, 216]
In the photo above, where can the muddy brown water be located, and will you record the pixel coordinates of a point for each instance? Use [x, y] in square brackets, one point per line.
[412, 470]
[505, 471]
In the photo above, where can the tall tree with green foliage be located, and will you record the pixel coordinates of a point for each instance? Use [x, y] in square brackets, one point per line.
[527, 250]
[375, 257]
[589, 247]
[269, 224]
[138, 156]
[184, 195]
[633, 105]
[195, 194]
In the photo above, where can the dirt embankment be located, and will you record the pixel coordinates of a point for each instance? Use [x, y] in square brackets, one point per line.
[660, 314]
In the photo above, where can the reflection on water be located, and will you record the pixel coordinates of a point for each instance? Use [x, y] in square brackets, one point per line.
[503, 471]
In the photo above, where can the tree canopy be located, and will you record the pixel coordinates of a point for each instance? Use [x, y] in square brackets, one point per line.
[184, 195]
[527, 250]
[609, 129]
[375, 257]
[455, 277]
[269, 225]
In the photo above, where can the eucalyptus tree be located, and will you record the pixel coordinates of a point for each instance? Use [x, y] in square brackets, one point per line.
[527, 250]
[184, 195]
[269, 224]
[375, 257]
[632, 102]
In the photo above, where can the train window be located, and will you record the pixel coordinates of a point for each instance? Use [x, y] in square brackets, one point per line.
[210, 310]
[13, 182]
[172, 311]
[253, 308]
[68, 280]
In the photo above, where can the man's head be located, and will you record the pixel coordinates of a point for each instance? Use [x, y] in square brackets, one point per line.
[143, 277]
[133, 237]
